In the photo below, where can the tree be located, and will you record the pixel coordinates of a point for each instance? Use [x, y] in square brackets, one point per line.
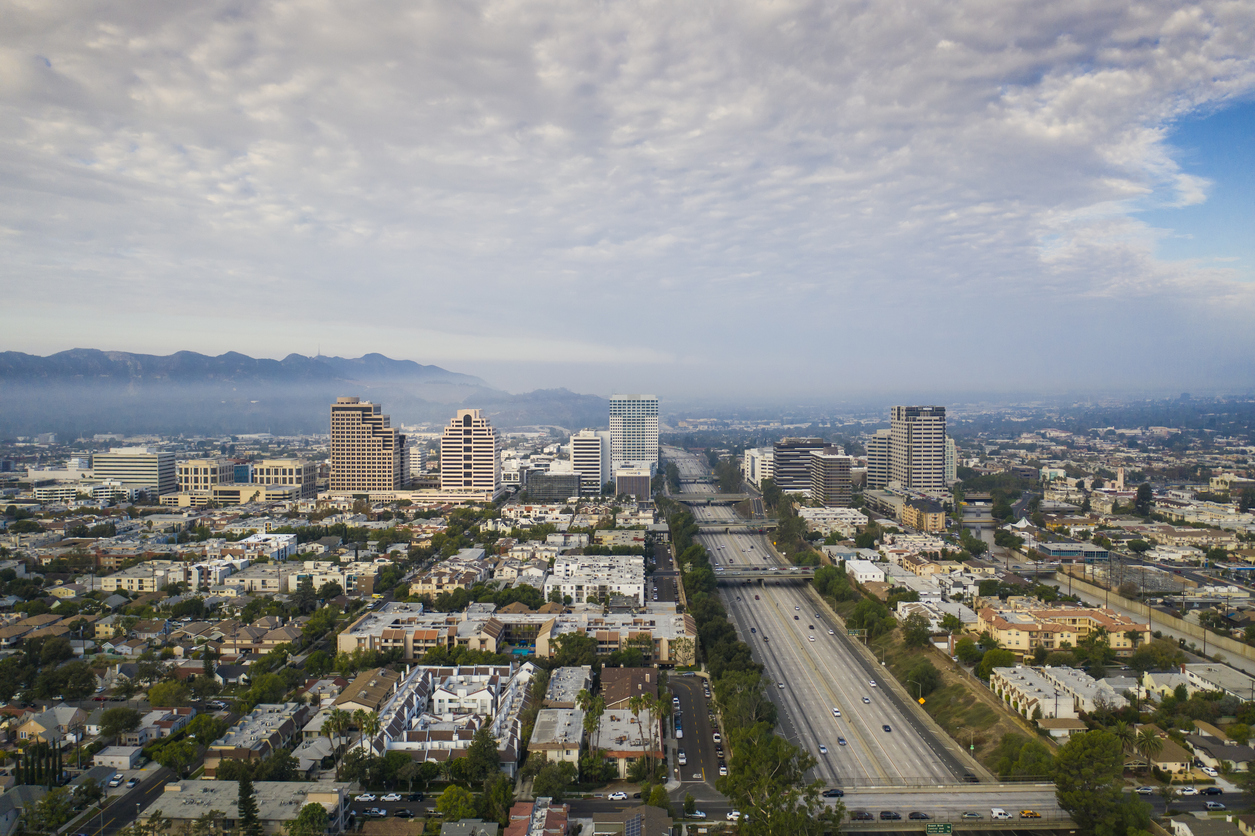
[1087, 778]
[249, 824]
[1138, 546]
[115, 722]
[553, 779]
[1124, 733]
[177, 756]
[170, 694]
[1143, 501]
[968, 651]
[305, 598]
[55, 651]
[482, 758]
[456, 803]
[925, 676]
[497, 798]
[1149, 745]
[658, 798]
[311, 821]
[916, 630]
[995, 659]
[767, 782]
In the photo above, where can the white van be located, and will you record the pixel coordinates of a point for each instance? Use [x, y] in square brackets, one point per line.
[999, 813]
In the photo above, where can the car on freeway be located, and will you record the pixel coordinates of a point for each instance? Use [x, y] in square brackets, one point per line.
[834, 793]
[696, 814]
[617, 796]
[1212, 791]
[799, 609]
[755, 597]
[871, 682]
[823, 750]
[840, 741]
[832, 632]
[1189, 790]
[753, 629]
[971, 815]
[890, 815]
[810, 626]
[403, 813]
[915, 816]
[392, 796]
[365, 797]
[1030, 814]
[1210, 772]
[131, 783]
[797, 618]
[1214, 805]
[867, 700]
[780, 685]
[1144, 790]
[836, 712]
[886, 727]
[863, 815]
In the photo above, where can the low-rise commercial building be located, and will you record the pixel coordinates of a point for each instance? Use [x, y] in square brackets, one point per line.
[185, 803]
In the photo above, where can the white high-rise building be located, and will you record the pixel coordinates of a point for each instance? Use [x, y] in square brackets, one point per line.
[758, 465]
[952, 462]
[917, 447]
[878, 460]
[634, 430]
[590, 457]
[470, 455]
[137, 467]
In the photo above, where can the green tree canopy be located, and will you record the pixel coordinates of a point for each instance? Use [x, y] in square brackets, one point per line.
[1088, 782]
[455, 803]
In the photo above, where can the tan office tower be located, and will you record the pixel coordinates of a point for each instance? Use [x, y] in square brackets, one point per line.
[288, 472]
[366, 454]
[200, 475]
[917, 447]
[470, 455]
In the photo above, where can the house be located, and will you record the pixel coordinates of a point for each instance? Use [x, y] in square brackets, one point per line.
[63, 723]
[1191, 826]
[183, 803]
[151, 630]
[369, 691]
[618, 685]
[13, 803]
[1173, 759]
[231, 674]
[1212, 751]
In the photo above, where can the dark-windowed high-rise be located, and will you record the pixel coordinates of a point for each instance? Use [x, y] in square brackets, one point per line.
[791, 463]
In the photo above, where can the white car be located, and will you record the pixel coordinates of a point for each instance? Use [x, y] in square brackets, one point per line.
[1210, 772]
[617, 796]
[812, 638]
[392, 796]
[823, 750]
[715, 737]
[871, 682]
[832, 632]
[697, 814]
[867, 701]
[836, 712]
[681, 758]
[1189, 790]
[780, 685]
[734, 815]
[365, 797]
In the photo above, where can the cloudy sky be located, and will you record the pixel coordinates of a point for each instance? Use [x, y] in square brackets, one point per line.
[794, 199]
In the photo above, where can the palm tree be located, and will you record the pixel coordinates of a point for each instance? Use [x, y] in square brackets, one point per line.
[1125, 734]
[1149, 745]
[335, 726]
[636, 704]
[368, 722]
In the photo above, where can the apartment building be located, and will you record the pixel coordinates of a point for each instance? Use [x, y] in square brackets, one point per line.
[470, 456]
[137, 467]
[583, 578]
[590, 458]
[791, 463]
[199, 476]
[367, 453]
[917, 447]
[1024, 630]
[633, 430]
[1030, 694]
[923, 515]
[263, 731]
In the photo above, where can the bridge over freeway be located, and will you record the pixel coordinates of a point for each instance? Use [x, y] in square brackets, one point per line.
[748, 527]
[1015, 825]
[710, 498]
[791, 573]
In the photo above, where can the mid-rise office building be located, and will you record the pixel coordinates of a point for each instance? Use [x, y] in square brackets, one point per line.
[303, 474]
[367, 454]
[830, 478]
[878, 460]
[634, 430]
[470, 455]
[137, 467]
[590, 458]
[200, 475]
[917, 447]
[757, 465]
[633, 481]
[791, 463]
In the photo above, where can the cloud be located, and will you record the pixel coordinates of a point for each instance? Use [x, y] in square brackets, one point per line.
[732, 184]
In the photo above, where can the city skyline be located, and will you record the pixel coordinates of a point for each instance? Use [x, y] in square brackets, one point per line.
[763, 195]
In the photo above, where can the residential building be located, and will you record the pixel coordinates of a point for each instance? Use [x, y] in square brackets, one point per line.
[830, 478]
[1024, 630]
[878, 459]
[470, 456]
[298, 472]
[558, 735]
[917, 447]
[584, 578]
[633, 430]
[1030, 694]
[565, 685]
[923, 515]
[198, 476]
[261, 732]
[625, 736]
[137, 467]
[791, 463]
[367, 453]
[590, 458]
[864, 571]
[369, 691]
[1204, 676]
[184, 803]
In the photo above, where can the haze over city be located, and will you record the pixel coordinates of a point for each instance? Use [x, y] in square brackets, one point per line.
[791, 200]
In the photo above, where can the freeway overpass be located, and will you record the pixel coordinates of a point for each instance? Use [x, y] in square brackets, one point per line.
[795, 573]
[749, 527]
[710, 498]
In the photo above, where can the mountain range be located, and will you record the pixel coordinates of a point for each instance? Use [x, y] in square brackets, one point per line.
[86, 391]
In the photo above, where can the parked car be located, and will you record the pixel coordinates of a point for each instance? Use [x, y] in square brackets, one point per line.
[1212, 791]
[735, 815]
[1189, 790]
[403, 813]
[116, 780]
[392, 796]
[696, 814]
[618, 796]
[365, 797]
[1144, 790]
[131, 783]
[1210, 772]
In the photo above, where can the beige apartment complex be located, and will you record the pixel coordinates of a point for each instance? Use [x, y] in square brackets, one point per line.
[470, 455]
[366, 453]
[1024, 630]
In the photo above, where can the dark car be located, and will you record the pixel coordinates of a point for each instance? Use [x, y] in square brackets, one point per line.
[753, 629]
[918, 816]
[402, 814]
[970, 778]
[863, 815]
[834, 793]
[795, 618]
[415, 796]
[1211, 791]
[886, 727]
[889, 815]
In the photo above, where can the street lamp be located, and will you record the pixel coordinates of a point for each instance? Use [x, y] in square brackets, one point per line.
[919, 693]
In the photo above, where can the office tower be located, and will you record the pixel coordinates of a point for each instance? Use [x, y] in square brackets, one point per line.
[633, 430]
[470, 455]
[878, 460]
[137, 467]
[757, 465]
[552, 487]
[791, 463]
[830, 478]
[633, 481]
[590, 457]
[366, 453]
[200, 475]
[299, 472]
[952, 462]
[917, 447]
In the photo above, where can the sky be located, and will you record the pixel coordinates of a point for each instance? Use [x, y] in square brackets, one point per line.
[794, 200]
